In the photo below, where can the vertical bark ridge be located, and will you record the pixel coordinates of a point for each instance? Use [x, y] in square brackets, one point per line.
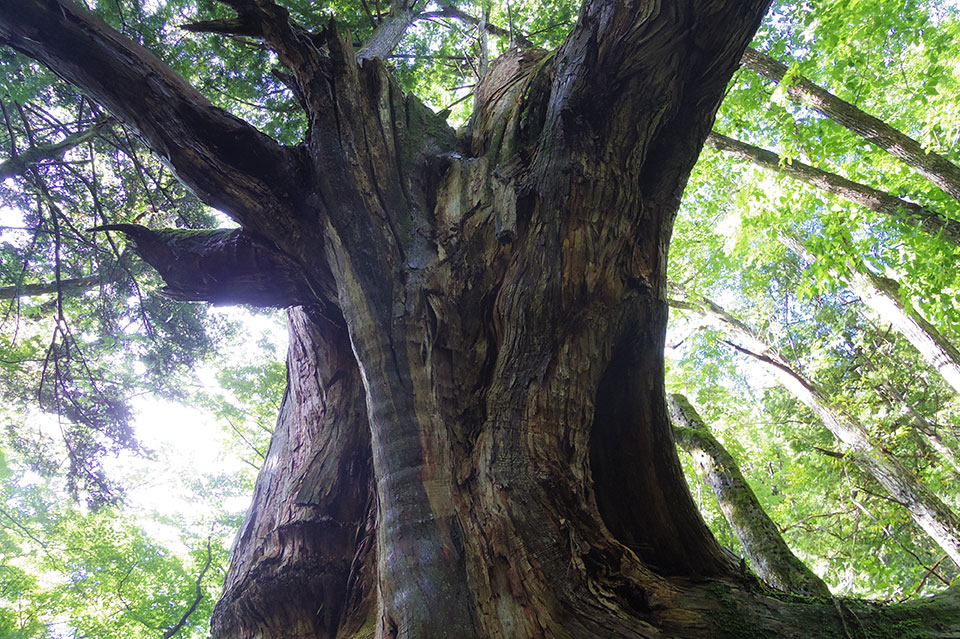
[301, 566]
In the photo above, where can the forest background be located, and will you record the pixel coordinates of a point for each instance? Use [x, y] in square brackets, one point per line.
[134, 425]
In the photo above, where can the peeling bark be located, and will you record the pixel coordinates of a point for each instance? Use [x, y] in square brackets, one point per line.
[926, 509]
[760, 538]
[934, 167]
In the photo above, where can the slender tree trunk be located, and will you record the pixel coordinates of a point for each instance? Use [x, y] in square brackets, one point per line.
[69, 286]
[908, 213]
[49, 152]
[935, 517]
[762, 542]
[502, 296]
[882, 296]
[921, 424]
[930, 165]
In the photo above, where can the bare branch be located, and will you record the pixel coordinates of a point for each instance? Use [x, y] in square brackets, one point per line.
[65, 287]
[49, 152]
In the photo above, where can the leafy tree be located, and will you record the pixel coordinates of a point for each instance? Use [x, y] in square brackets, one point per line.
[473, 440]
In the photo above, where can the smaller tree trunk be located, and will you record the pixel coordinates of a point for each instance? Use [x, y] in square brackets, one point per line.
[768, 553]
[64, 287]
[935, 517]
[882, 296]
[908, 213]
[49, 152]
[936, 168]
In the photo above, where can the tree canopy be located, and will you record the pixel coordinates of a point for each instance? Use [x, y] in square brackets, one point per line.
[88, 330]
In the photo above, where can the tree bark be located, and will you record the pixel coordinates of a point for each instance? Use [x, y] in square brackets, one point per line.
[936, 168]
[498, 303]
[895, 208]
[760, 538]
[882, 295]
[930, 513]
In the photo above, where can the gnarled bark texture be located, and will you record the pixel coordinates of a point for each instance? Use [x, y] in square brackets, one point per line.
[474, 440]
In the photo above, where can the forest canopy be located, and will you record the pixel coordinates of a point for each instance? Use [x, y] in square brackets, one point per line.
[792, 222]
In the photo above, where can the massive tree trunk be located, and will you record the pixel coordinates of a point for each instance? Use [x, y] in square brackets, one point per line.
[474, 440]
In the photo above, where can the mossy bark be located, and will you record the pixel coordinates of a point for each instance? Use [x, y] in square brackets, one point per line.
[760, 538]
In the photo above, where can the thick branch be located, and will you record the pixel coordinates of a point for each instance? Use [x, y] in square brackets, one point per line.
[932, 166]
[769, 554]
[66, 287]
[229, 164]
[898, 209]
[390, 32]
[223, 266]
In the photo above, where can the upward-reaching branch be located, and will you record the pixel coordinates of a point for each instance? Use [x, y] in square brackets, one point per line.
[389, 33]
[908, 213]
[762, 542]
[934, 167]
[227, 162]
[883, 296]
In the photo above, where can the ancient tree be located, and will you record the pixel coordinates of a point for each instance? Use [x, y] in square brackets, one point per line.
[474, 440]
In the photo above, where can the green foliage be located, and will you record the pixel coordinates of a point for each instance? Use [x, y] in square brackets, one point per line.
[897, 61]
[72, 366]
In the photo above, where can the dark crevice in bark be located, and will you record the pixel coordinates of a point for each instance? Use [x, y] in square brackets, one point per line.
[634, 464]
